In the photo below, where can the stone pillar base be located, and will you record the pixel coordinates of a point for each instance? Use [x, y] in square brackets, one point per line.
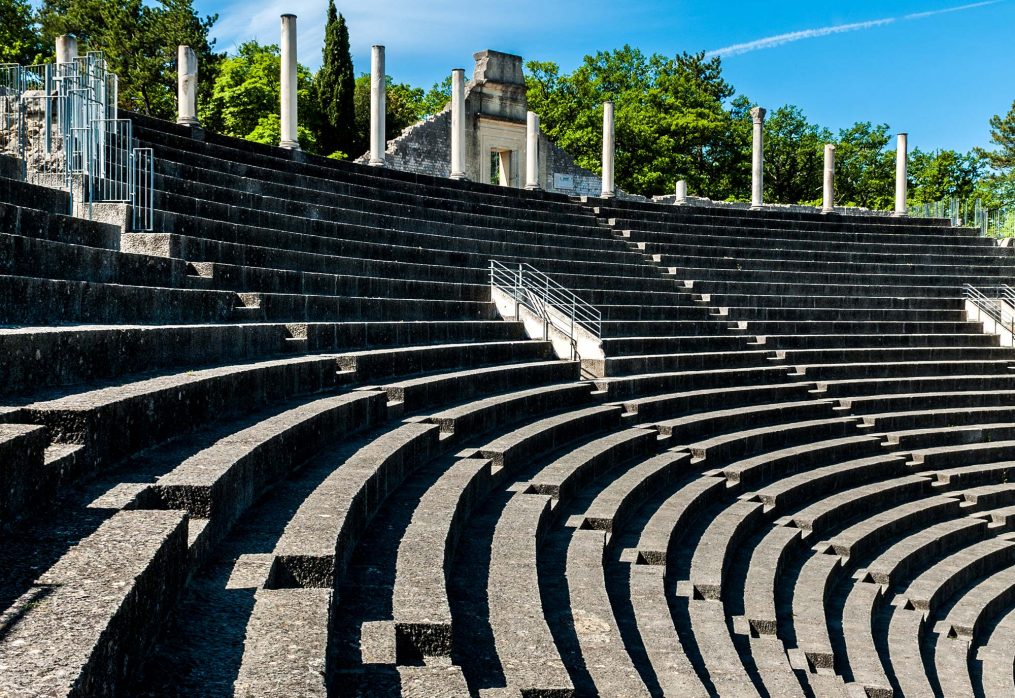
[291, 145]
[533, 187]
[458, 176]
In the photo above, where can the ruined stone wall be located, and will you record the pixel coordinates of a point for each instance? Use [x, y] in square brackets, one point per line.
[425, 148]
[564, 176]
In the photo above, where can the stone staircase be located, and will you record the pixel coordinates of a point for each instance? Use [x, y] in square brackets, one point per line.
[285, 445]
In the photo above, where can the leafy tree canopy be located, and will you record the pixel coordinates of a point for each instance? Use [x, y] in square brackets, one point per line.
[139, 41]
[20, 41]
[246, 94]
[336, 90]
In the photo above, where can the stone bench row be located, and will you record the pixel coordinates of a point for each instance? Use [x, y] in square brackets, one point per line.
[812, 520]
[430, 215]
[728, 245]
[803, 274]
[854, 390]
[89, 619]
[935, 398]
[787, 343]
[26, 301]
[310, 541]
[890, 353]
[782, 313]
[676, 213]
[269, 163]
[819, 301]
[18, 192]
[218, 483]
[427, 265]
[662, 343]
[297, 307]
[420, 606]
[691, 265]
[311, 230]
[111, 422]
[867, 239]
[45, 357]
[214, 486]
[845, 287]
[671, 216]
[845, 328]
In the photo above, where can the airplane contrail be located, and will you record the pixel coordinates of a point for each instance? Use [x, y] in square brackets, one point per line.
[789, 37]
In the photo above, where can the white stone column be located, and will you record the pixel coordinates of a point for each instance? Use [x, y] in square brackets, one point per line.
[186, 86]
[828, 198]
[378, 88]
[532, 151]
[457, 123]
[608, 150]
[758, 158]
[66, 48]
[901, 168]
[681, 192]
[290, 137]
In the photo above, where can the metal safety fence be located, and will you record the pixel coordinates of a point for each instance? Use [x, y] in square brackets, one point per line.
[970, 213]
[60, 120]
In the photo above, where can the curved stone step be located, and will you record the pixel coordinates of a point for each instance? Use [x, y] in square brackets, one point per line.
[602, 647]
[95, 614]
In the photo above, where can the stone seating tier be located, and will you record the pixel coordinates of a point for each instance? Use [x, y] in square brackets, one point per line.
[285, 444]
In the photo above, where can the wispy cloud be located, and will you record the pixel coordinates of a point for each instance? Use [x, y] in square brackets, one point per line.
[408, 27]
[790, 37]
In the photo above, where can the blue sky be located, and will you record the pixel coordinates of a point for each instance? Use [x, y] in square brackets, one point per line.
[935, 68]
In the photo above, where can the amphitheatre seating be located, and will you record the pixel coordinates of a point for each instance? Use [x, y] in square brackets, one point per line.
[789, 472]
[994, 657]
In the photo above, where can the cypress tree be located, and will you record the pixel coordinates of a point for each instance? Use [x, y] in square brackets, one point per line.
[335, 88]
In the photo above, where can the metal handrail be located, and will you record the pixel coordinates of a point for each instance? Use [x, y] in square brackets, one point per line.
[991, 306]
[538, 292]
[1008, 294]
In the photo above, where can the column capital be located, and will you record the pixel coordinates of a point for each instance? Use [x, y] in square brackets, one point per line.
[758, 114]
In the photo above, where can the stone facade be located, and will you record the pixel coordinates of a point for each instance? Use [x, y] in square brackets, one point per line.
[495, 144]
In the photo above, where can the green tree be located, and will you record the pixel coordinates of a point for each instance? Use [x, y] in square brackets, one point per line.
[436, 98]
[671, 118]
[996, 187]
[864, 170]
[336, 86]
[139, 43]
[20, 41]
[941, 175]
[405, 105]
[246, 95]
[1002, 135]
[794, 157]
